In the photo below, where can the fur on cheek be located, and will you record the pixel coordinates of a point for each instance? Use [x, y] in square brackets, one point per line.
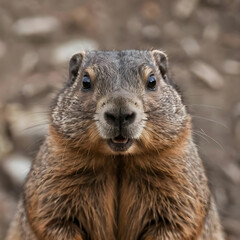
[153, 140]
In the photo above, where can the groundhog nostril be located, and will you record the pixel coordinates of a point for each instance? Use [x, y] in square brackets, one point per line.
[120, 119]
[129, 118]
[110, 118]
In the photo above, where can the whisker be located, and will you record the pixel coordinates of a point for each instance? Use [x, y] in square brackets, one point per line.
[204, 105]
[206, 135]
[35, 127]
[210, 120]
[154, 133]
[199, 135]
[79, 110]
[193, 116]
[148, 128]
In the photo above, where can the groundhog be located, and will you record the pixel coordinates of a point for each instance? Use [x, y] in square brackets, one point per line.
[119, 161]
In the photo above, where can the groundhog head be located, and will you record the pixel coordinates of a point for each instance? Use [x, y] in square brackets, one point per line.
[119, 103]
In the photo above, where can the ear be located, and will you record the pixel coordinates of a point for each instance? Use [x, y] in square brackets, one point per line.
[162, 62]
[74, 65]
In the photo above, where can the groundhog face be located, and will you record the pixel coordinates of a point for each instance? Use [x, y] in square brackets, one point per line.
[119, 103]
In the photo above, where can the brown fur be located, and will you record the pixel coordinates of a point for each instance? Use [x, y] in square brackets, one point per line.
[79, 188]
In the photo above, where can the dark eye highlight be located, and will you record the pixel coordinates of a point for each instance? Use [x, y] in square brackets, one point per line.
[152, 82]
[86, 82]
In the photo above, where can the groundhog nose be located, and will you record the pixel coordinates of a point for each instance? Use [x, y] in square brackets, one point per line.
[121, 119]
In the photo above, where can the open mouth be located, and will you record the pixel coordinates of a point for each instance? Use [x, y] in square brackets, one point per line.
[120, 143]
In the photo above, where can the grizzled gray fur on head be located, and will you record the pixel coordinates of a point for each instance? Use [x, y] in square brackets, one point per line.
[119, 93]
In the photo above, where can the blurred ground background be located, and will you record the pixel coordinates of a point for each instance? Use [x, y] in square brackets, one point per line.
[202, 39]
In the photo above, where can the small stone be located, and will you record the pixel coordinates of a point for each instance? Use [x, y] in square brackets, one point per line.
[29, 61]
[151, 10]
[36, 26]
[28, 126]
[31, 90]
[207, 74]
[17, 167]
[151, 32]
[184, 8]
[190, 46]
[80, 14]
[206, 16]
[83, 17]
[38, 86]
[211, 32]
[134, 26]
[172, 29]
[64, 52]
[230, 40]
[231, 67]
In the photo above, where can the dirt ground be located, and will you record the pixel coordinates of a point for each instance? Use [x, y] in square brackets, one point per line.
[201, 38]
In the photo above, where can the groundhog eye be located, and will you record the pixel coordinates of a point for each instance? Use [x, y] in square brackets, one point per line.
[152, 82]
[86, 82]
